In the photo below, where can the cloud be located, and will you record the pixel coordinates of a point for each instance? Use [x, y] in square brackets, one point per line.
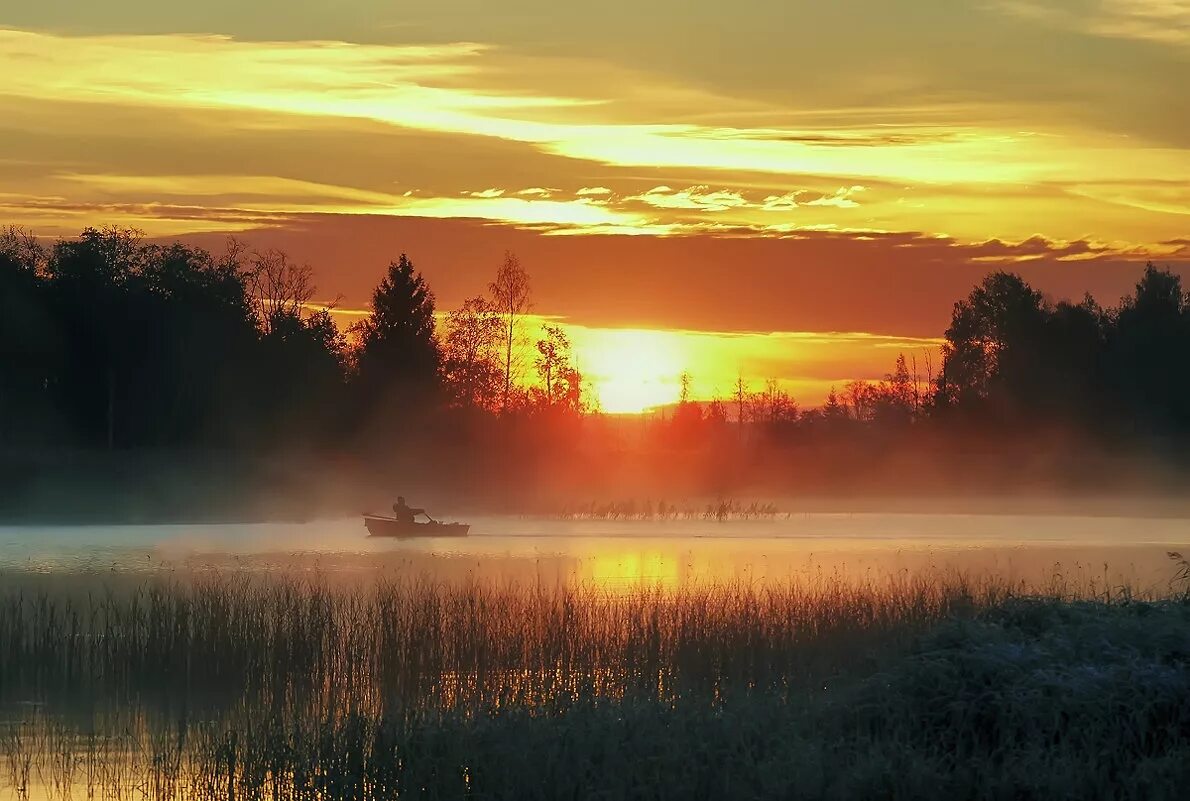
[786, 202]
[290, 193]
[700, 198]
[470, 120]
[901, 284]
[521, 211]
[274, 197]
[1036, 248]
[453, 89]
[842, 198]
[270, 202]
[1162, 21]
[703, 198]
[1166, 197]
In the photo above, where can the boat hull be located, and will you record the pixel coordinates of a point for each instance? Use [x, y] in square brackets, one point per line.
[390, 527]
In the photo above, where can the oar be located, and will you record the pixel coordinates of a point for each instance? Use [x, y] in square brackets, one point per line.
[427, 514]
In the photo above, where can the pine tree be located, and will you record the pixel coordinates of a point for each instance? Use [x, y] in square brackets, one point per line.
[398, 358]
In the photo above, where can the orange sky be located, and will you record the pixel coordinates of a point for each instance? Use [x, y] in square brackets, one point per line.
[784, 168]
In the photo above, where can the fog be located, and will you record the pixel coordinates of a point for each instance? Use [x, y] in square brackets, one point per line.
[1037, 549]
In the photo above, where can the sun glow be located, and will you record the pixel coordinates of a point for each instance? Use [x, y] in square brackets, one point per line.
[630, 370]
[621, 569]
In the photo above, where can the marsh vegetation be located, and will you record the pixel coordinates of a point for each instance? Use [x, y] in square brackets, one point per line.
[250, 686]
[720, 509]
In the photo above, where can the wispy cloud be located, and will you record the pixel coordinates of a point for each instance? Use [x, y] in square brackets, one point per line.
[446, 89]
[521, 211]
[1162, 21]
[250, 188]
[255, 201]
[842, 198]
[704, 198]
[701, 198]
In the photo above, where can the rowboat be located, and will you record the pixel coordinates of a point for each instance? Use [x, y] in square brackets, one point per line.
[379, 526]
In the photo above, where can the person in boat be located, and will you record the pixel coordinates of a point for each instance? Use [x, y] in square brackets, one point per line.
[403, 513]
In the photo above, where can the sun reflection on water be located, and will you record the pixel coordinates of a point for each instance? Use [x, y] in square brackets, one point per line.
[617, 569]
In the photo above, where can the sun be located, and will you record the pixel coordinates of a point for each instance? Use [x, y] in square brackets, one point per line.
[631, 370]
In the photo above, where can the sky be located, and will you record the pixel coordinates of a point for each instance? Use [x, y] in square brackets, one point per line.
[736, 180]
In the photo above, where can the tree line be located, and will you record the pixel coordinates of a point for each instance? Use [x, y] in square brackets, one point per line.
[110, 342]
[1012, 361]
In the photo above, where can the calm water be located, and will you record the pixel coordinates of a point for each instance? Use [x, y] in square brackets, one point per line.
[1122, 549]
[92, 744]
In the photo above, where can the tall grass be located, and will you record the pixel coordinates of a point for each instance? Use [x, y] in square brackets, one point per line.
[418, 644]
[251, 688]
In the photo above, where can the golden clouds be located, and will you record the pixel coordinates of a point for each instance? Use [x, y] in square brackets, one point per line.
[465, 92]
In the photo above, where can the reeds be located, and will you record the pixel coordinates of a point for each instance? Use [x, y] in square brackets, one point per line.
[722, 509]
[417, 643]
[255, 687]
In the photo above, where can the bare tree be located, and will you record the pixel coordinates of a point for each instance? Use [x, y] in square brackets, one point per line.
[21, 248]
[772, 405]
[279, 288]
[930, 384]
[510, 299]
[741, 399]
[916, 387]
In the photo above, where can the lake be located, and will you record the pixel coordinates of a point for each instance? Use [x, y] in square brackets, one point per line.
[1118, 550]
[547, 653]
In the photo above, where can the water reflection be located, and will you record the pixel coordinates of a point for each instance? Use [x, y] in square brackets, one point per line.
[624, 553]
[618, 567]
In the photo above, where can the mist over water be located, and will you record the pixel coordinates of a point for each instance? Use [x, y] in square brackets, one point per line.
[1118, 550]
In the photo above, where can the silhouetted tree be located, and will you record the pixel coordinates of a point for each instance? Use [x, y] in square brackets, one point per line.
[893, 402]
[859, 398]
[302, 360]
[109, 342]
[740, 396]
[687, 420]
[28, 340]
[98, 298]
[471, 362]
[990, 360]
[716, 414]
[510, 299]
[1070, 390]
[1149, 355]
[561, 382]
[196, 383]
[773, 407]
[280, 288]
[398, 358]
[834, 409]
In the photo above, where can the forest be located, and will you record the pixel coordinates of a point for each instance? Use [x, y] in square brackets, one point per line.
[130, 364]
